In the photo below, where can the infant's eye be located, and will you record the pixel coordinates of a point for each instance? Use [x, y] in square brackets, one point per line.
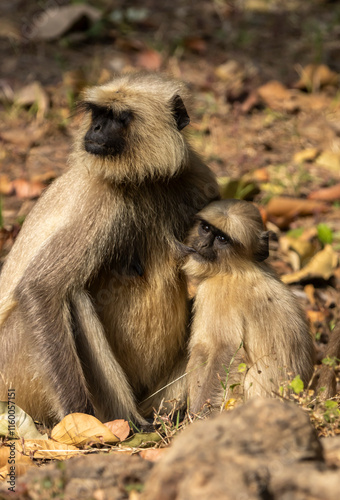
[221, 238]
[205, 227]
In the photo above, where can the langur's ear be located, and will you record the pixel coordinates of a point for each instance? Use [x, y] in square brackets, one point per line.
[180, 113]
[262, 251]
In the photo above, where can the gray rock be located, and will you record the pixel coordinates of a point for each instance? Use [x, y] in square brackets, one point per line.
[105, 477]
[264, 450]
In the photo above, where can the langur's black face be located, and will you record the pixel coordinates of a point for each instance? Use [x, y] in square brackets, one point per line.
[241, 237]
[108, 130]
[207, 242]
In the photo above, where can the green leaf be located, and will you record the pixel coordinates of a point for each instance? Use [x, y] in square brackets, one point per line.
[142, 440]
[242, 367]
[329, 361]
[296, 384]
[232, 386]
[325, 234]
[296, 233]
[330, 405]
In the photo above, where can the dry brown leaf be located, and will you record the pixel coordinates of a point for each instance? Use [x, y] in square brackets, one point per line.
[260, 175]
[315, 76]
[252, 100]
[20, 470]
[281, 206]
[294, 260]
[153, 455]
[58, 20]
[282, 222]
[329, 160]
[46, 449]
[6, 186]
[17, 136]
[19, 457]
[277, 97]
[309, 233]
[305, 155]
[4, 454]
[24, 137]
[322, 265]
[263, 213]
[149, 59]
[309, 291]
[34, 93]
[119, 428]
[303, 248]
[28, 189]
[230, 70]
[196, 44]
[331, 193]
[316, 316]
[3, 473]
[314, 102]
[79, 429]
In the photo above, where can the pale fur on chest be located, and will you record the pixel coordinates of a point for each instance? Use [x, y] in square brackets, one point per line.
[259, 312]
[143, 318]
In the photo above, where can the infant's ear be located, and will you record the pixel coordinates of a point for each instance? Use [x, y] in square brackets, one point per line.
[180, 113]
[262, 251]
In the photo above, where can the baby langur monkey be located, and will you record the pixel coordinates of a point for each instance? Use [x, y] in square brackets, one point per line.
[242, 311]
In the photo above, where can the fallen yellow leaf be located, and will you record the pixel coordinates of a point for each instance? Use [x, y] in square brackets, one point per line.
[309, 291]
[10, 458]
[230, 404]
[304, 249]
[3, 473]
[305, 155]
[46, 449]
[316, 316]
[79, 429]
[329, 160]
[322, 265]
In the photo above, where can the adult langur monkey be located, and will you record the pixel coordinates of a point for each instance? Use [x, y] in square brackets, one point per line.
[242, 311]
[93, 307]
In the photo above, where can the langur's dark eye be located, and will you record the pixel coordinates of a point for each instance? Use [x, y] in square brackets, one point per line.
[222, 238]
[205, 227]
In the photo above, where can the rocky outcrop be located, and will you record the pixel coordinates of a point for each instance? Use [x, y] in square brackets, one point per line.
[264, 450]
